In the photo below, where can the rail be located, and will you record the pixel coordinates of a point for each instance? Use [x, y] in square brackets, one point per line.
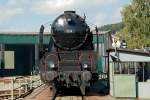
[18, 87]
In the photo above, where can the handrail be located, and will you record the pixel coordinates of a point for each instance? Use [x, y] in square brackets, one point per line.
[26, 84]
[19, 86]
[28, 91]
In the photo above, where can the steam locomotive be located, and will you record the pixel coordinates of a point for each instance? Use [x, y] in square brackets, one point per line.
[70, 60]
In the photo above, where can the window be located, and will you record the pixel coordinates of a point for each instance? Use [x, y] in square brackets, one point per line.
[143, 71]
[140, 69]
[125, 67]
[9, 59]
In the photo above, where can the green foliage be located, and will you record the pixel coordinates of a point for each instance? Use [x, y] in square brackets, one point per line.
[112, 27]
[136, 18]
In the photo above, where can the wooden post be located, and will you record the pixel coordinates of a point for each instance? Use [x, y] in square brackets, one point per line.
[12, 88]
[19, 88]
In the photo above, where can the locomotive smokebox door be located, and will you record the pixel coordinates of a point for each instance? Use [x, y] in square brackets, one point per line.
[69, 31]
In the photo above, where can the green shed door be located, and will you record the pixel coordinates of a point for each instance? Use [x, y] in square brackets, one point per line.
[124, 85]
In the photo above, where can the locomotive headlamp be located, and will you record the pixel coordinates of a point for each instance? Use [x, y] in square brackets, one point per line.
[51, 65]
[61, 21]
[69, 19]
[85, 65]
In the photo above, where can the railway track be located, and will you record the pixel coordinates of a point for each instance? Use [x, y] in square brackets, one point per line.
[68, 94]
[44, 93]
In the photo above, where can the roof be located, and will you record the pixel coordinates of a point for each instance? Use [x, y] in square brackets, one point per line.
[128, 55]
[22, 38]
[101, 32]
[32, 38]
[130, 51]
[22, 33]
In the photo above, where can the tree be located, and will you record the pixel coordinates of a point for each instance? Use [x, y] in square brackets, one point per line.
[136, 18]
[112, 27]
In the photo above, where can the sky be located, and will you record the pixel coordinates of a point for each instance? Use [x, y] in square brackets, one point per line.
[29, 15]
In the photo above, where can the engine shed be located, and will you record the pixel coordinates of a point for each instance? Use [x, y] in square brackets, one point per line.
[19, 51]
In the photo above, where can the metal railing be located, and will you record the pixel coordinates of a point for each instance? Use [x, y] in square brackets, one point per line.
[19, 87]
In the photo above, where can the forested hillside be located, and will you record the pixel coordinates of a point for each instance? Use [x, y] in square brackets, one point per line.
[112, 27]
[135, 26]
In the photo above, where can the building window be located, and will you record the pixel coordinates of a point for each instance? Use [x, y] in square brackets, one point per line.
[143, 72]
[140, 69]
[125, 67]
[9, 60]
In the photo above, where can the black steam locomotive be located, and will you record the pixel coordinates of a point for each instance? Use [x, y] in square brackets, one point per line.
[70, 60]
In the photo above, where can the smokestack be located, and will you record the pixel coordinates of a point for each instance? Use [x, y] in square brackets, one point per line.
[41, 38]
[41, 49]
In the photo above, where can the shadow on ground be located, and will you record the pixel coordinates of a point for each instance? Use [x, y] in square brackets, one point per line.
[100, 88]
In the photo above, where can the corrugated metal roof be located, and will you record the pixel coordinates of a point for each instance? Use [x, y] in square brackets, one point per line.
[130, 57]
[130, 51]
